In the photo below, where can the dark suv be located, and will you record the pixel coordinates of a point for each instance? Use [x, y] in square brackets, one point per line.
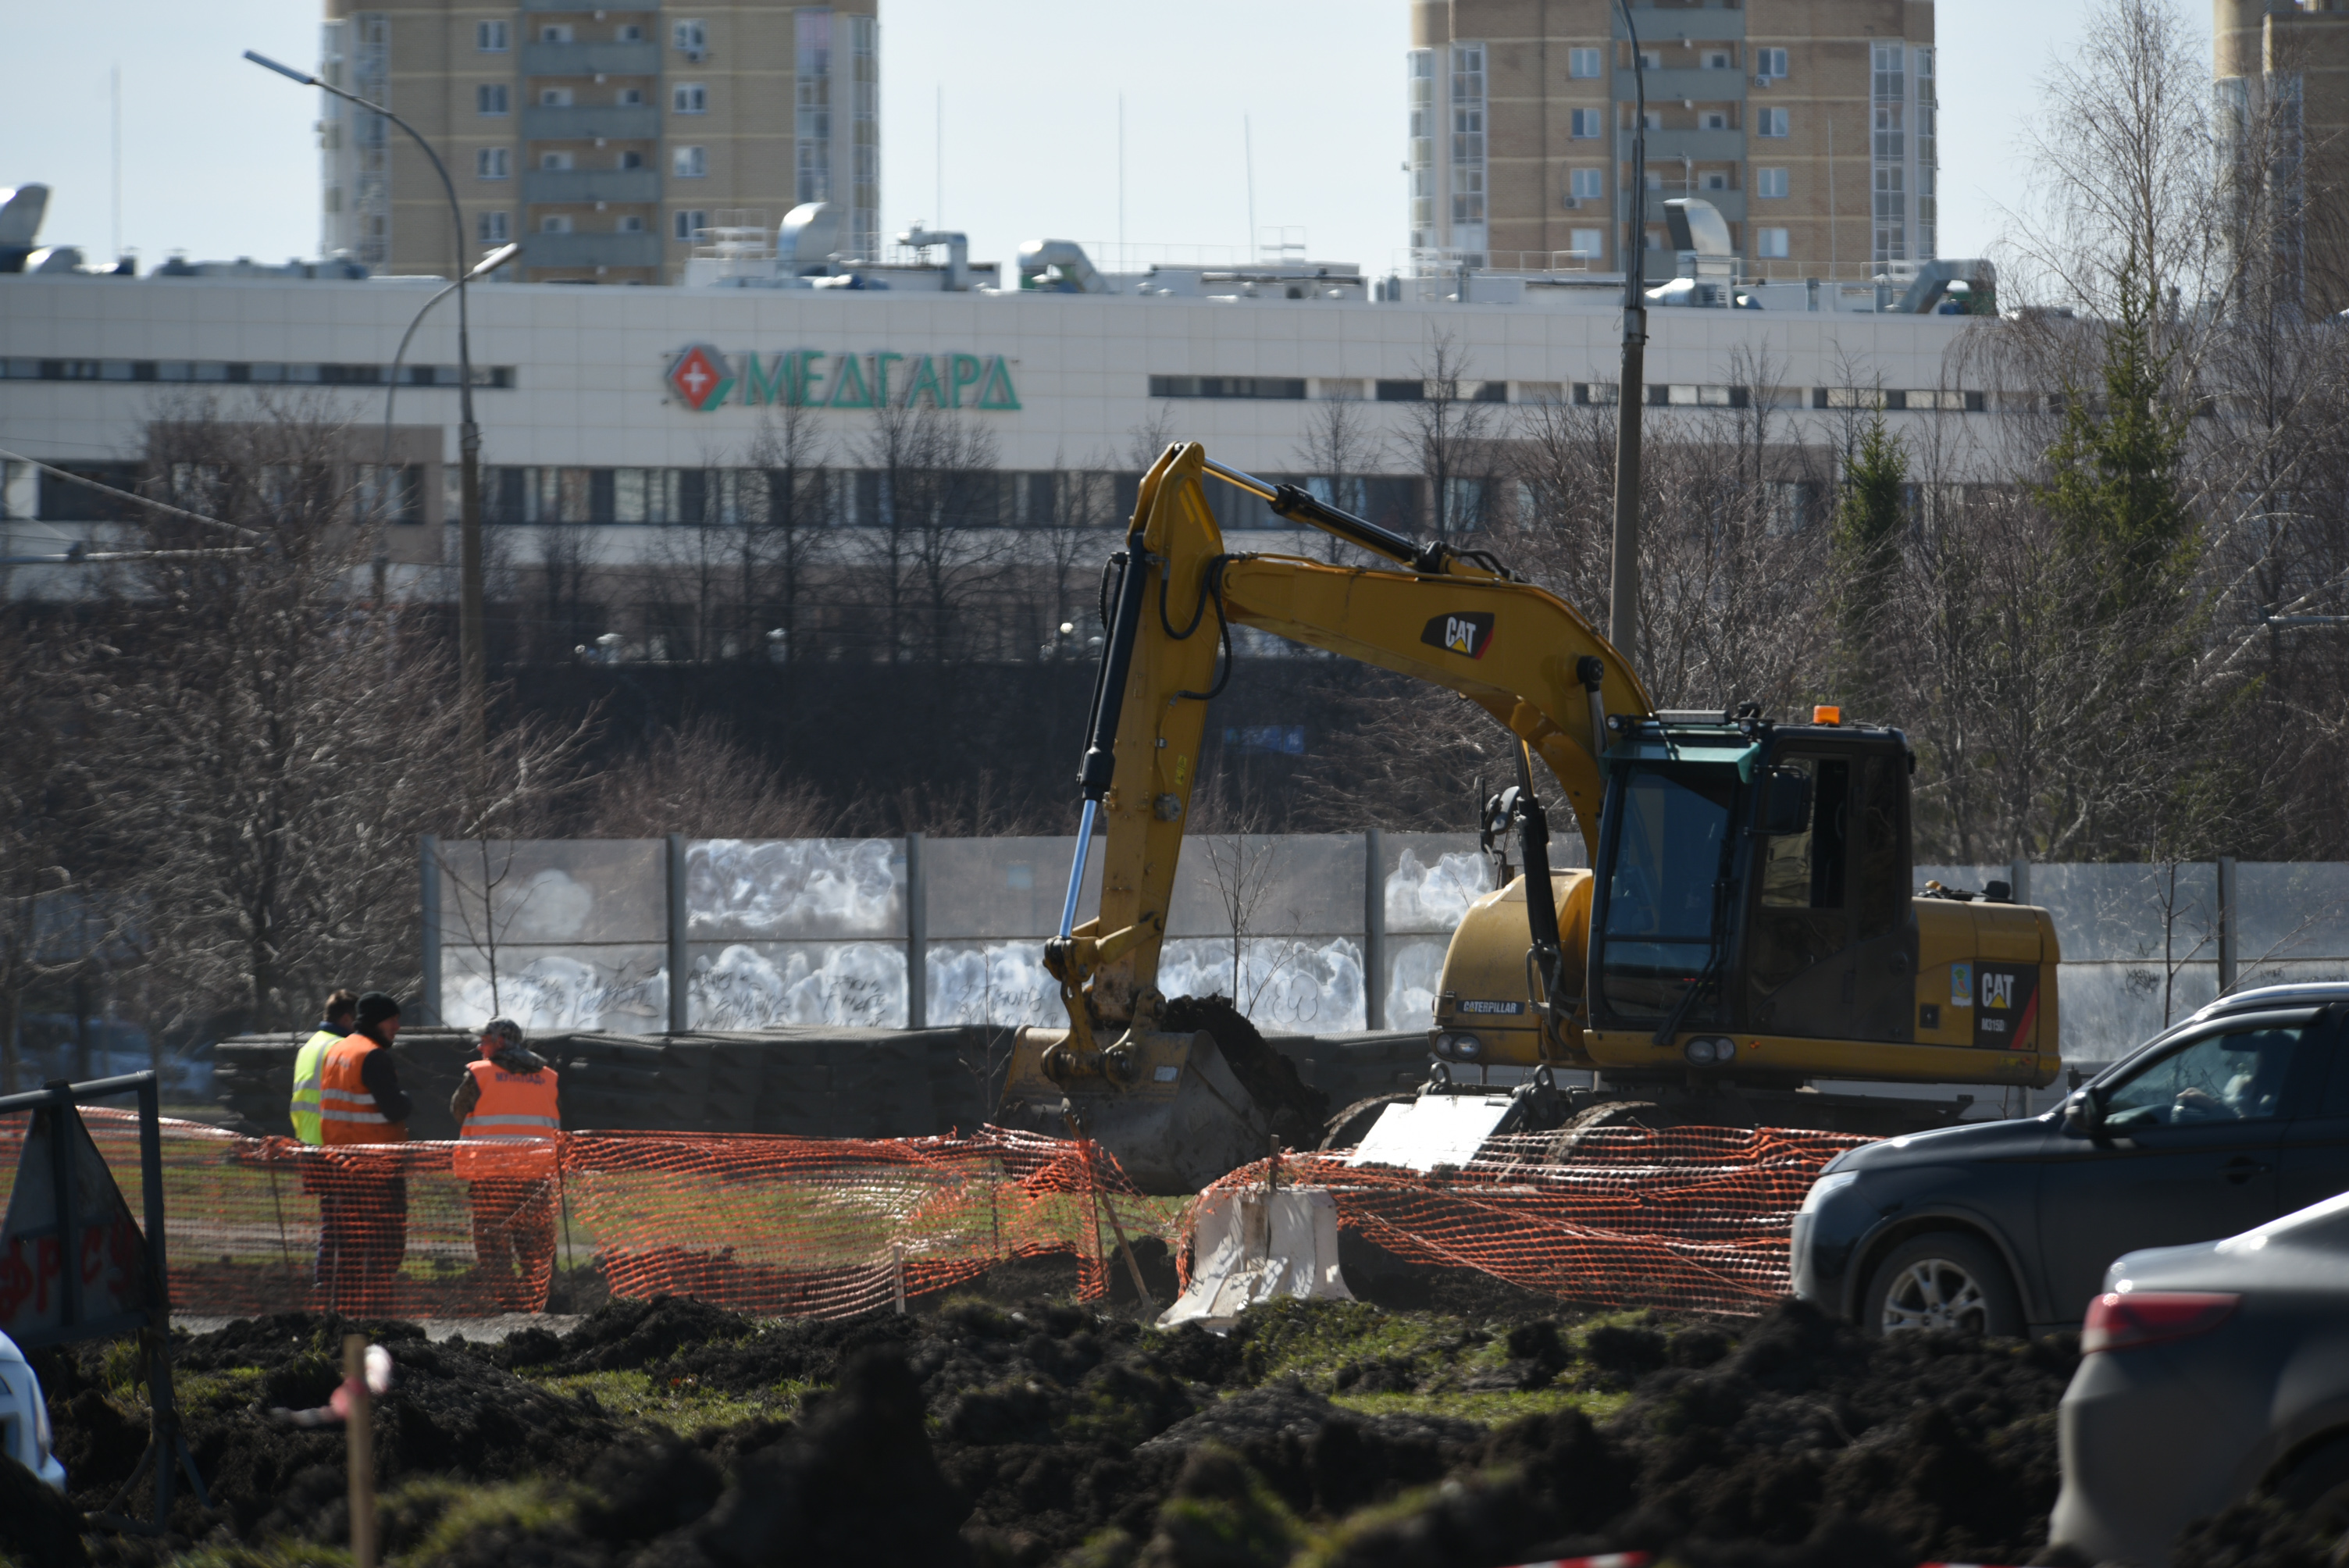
[2223, 1122]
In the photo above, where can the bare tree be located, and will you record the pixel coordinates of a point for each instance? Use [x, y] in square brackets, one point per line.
[281, 744]
[936, 544]
[1335, 455]
[698, 780]
[1448, 439]
[784, 525]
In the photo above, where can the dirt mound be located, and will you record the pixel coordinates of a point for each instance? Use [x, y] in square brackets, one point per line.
[1047, 1432]
[1809, 1443]
[1297, 1110]
[2266, 1532]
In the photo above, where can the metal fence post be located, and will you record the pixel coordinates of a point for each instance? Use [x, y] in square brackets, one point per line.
[1374, 929]
[427, 882]
[680, 963]
[2230, 920]
[918, 937]
[2019, 873]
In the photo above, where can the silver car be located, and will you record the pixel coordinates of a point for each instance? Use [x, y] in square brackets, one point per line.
[2208, 1373]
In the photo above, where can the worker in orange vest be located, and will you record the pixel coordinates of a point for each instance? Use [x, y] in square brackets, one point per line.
[365, 1220]
[508, 1118]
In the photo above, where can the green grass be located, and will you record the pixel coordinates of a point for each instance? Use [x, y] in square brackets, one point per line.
[1487, 1409]
[683, 1406]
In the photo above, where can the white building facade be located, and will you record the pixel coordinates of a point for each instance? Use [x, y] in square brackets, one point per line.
[609, 408]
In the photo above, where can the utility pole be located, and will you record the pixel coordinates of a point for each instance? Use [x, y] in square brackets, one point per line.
[1631, 389]
[473, 655]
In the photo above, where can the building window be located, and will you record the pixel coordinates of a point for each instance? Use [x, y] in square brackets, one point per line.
[631, 224]
[490, 37]
[631, 160]
[1889, 148]
[1582, 64]
[690, 220]
[630, 97]
[689, 97]
[1650, 60]
[1468, 140]
[1291, 388]
[629, 32]
[556, 33]
[1770, 122]
[489, 98]
[1770, 63]
[1590, 244]
[493, 228]
[492, 164]
[554, 161]
[864, 207]
[554, 98]
[692, 37]
[1713, 181]
[1770, 184]
[1420, 87]
[1714, 119]
[554, 223]
[1716, 59]
[1655, 120]
[812, 104]
[689, 163]
[1588, 124]
[1770, 243]
[1589, 184]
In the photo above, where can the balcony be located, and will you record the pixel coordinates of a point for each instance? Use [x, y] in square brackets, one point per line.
[541, 186]
[1665, 25]
[591, 250]
[617, 123]
[591, 60]
[626, 8]
[1666, 147]
[1693, 84]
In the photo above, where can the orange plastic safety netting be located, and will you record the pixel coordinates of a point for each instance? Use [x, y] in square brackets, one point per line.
[790, 1226]
[1692, 1218]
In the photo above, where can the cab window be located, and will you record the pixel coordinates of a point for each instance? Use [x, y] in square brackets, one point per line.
[2239, 1076]
[1805, 869]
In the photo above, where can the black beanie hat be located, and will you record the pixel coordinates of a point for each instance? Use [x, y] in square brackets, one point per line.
[376, 1007]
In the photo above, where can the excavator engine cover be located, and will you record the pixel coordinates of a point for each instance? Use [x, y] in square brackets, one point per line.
[1167, 1104]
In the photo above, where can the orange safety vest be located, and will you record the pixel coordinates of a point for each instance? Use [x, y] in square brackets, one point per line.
[346, 1110]
[509, 1133]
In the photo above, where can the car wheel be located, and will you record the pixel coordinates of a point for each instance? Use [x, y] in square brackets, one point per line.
[1944, 1280]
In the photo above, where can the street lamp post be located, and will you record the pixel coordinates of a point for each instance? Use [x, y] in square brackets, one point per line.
[473, 655]
[1630, 388]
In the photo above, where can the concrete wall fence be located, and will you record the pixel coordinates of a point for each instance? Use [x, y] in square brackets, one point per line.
[1313, 934]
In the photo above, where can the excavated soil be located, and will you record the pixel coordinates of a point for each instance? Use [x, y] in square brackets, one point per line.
[982, 1433]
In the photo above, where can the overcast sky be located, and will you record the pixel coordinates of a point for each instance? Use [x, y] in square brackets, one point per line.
[218, 158]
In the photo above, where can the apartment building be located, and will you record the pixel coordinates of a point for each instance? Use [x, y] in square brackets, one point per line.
[606, 138]
[1808, 123]
[2282, 65]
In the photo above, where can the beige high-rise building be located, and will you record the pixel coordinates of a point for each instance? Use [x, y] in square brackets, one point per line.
[1808, 123]
[2283, 65]
[605, 138]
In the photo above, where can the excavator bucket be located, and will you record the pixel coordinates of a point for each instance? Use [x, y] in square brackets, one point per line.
[1171, 1110]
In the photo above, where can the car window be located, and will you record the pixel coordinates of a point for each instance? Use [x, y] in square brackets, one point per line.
[2234, 1076]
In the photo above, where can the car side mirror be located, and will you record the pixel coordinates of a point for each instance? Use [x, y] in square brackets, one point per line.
[1785, 802]
[2084, 1112]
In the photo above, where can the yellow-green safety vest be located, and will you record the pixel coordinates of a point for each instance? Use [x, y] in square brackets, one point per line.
[307, 1062]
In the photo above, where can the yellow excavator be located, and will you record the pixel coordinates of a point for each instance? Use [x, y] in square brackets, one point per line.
[1748, 927]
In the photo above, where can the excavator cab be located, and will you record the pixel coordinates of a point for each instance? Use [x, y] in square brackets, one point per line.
[1756, 879]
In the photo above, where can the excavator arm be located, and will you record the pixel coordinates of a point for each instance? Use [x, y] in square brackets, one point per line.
[1453, 619]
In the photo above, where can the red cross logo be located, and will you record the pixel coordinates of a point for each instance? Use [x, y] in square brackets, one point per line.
[699, 377]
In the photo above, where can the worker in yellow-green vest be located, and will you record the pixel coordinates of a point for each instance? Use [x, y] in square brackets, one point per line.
[341, 1006]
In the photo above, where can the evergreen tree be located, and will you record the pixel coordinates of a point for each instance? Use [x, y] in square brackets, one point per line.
[1869, 520]
[2114, 493]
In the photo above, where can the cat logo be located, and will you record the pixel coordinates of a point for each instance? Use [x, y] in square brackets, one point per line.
[1470, 633]
[2006, 1016]
[1998, 989]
